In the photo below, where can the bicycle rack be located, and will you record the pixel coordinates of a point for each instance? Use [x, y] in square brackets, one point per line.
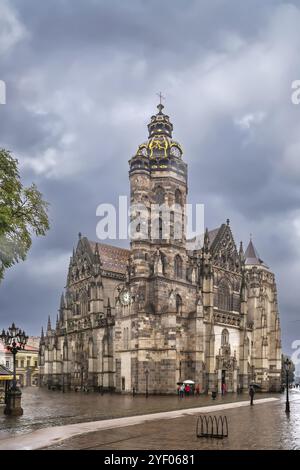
[212, 426]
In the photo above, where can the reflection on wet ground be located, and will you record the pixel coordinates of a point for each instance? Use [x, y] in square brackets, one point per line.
[263, 426]
[44, 408]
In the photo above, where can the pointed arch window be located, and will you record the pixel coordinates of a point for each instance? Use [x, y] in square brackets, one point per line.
[224, 296]
[126, 338]
[83, 310]
[159, 196]
[178, 197]
[178, 304]
[225, 338]
[178, 267]
[160, 228]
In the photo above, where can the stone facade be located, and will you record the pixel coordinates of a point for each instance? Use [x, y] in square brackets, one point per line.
[160, 313]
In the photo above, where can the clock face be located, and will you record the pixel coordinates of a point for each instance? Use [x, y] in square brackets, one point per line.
[175, 151]
[125, 297]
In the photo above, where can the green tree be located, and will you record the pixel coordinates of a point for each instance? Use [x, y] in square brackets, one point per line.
[23, 212]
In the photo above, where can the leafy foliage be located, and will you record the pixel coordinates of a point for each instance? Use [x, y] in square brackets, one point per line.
[23, 212]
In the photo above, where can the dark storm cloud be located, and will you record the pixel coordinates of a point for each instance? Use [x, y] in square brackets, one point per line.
[81, 79]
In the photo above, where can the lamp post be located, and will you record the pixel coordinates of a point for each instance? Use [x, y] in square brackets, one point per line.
[147, 375]
[287, 366]
[14, 340]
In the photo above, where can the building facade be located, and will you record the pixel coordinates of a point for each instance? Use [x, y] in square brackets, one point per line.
[27, 366]
[166, 310]
[27, 362]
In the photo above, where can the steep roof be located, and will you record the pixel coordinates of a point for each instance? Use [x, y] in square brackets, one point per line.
[252, 257]
[199, 239]
[113, 258]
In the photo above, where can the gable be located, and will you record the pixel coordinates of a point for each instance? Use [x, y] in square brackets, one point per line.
[223, 249]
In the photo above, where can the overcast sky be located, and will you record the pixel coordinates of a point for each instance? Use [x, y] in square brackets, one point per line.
[82, 78]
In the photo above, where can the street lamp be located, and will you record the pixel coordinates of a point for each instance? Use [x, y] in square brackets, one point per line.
[147, 375]
[14, 340]
[287, 366]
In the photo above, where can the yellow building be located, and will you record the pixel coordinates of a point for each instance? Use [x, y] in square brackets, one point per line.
[27, 366]
[6, 377]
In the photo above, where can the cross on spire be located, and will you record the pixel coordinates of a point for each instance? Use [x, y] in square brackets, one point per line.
[160, 106]
[161, 97]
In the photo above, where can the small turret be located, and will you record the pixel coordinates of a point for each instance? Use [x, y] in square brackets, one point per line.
[206, 265]
[206, 241]
[62, 301]
[42, 340]
[97, 261]
[241, 253]
[252, 257]
[49, 324]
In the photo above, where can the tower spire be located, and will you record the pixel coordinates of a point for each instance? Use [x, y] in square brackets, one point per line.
[241, 252]
[62, 301]
[42, 340]
[49, 324]
[252, 256]
[206, 240]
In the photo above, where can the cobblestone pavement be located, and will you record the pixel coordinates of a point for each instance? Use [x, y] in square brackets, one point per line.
[264, 426]
[44, 408]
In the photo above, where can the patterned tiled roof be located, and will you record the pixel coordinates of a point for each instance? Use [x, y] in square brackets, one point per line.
[27, 348]
[113, 258]
[199, 239]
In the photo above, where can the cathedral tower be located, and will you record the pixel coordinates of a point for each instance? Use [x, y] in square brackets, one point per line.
[158, 270]
[158, 189]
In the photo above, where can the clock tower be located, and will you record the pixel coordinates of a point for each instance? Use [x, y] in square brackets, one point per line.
[158, 272]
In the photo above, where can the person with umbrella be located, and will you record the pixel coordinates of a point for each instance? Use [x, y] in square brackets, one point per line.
[188, 386]
[251, 393]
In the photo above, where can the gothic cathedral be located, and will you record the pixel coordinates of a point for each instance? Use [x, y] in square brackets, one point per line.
[160, 313]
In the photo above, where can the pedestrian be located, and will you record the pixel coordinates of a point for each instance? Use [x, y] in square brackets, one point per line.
[187, 389]
[251, 393]
[197, 389]
[181, 391]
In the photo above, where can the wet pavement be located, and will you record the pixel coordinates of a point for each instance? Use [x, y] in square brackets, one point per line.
[44, 408]
[264, 426]
[261, 427]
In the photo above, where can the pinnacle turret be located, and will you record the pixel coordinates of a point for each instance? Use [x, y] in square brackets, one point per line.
[251, 255]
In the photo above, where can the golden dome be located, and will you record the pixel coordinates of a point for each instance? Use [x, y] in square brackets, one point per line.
[160, 143]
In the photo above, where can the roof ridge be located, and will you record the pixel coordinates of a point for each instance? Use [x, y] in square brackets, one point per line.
[108, 245]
